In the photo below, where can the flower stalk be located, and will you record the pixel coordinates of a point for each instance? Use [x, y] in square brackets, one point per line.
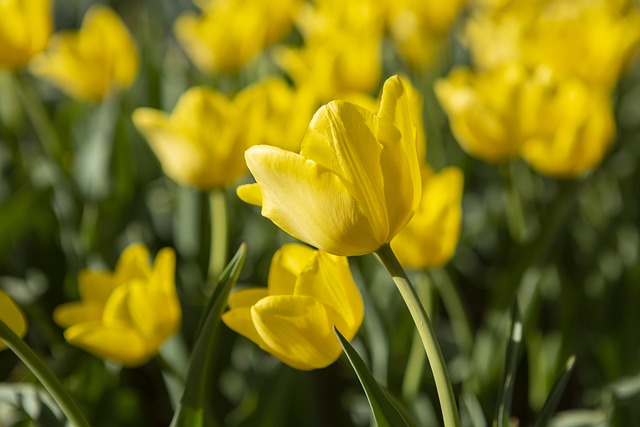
[427, 335]
[44, 375]
[219, 236]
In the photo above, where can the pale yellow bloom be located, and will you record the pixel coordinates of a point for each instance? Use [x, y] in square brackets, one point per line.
[124, 316]
[25, 27]
[89, 63]
[289, 111]
[560, 125]
[309, 292]
[430, 238]
[491, 113]
[230, 33]
[593, 40]
[12, 316]
[418, 26]
[342, 48]
[576, 128]
[355, 182]
[201, 143]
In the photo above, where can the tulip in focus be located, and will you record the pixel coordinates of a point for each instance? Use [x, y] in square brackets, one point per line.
[124, 316]
[355, 182]
[12, 316]
[25, 27]
[430, 238]
[87, 64]
[201, 143]
[309, 292]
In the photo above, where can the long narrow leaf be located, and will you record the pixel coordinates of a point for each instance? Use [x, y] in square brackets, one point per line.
[384, 412]
[191, 410]
[556, 393]
[503, 410]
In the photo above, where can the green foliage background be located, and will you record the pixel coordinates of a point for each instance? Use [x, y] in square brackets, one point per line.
[575, 271]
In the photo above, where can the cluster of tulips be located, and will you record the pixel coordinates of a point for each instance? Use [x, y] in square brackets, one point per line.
[342, 171]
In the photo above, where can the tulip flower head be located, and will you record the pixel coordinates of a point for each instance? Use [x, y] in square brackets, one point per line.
[89, 63]
[124, 316]
[12, 316]
[355, 182]
[309, 292]
[25, 27]
[202, 141]
[430, 238]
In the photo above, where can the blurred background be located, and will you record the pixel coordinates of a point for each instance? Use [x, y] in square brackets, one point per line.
[79, 183]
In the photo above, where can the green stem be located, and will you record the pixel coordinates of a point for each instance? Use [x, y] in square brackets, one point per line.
[415, 362]
[427, 334]
[40, 119]
[218, 247]
[513, 205]
[44, 374]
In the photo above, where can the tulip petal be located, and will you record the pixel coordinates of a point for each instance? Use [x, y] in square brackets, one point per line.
[12, 316]
[297, 331]
[250, 193]
[164, 271]
[245, 298]
[399, 159]
[328, 280]
[72, 313]
[240, 321]
[309, 202]
[180, 158]
[341, 137]
[155, 313]
[121, 345]
[133, 264]
[286, 265]
[116, 311]
[96, 286]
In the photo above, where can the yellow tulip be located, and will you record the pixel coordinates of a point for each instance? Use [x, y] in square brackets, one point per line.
[576, 128]
[88, 63]
[12, 316]
[430, 238]
[25, 27]
[124, 316]
[593, 40]
[202, 141]
[230, 33]
[491, 113]
[418, 26]
[309, 292]
[289, 111]
[355, 182]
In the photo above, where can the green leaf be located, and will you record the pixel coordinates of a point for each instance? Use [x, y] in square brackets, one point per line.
[556, 393]
[192, 407]
[503, 410]
[384, 411]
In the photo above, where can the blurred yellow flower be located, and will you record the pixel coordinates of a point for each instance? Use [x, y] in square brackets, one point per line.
[430, 238]
[88, 63]
[203, 140]
[289, 111]
[593, 40]
[490, 113]
[230, 33]
[12, 316]
[309, 292]
[124, 316]
[342, 48]
[560, 125]
[576, 128]
[354, 184]
[418, 26]
[25, 27]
